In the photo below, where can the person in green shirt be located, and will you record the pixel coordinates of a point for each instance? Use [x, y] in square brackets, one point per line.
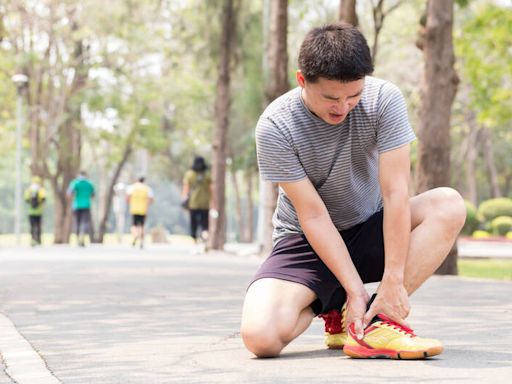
[197, 192]
[81, 192]
[35, 197]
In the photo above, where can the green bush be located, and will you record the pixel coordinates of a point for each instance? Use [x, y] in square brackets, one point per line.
[472, 221]
[501, 225]
[491, 209]
[481, 234]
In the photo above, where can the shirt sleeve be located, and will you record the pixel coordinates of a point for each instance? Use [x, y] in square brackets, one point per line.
[277, 160]
[393, 128]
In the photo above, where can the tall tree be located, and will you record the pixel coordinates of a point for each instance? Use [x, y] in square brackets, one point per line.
[276, 85]
[439, 87]
[348, 12]
[222, 107]
[379, 15]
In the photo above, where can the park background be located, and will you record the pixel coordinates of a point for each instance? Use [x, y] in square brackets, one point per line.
[126, 88]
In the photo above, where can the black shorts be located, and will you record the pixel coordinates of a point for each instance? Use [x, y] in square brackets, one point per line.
[138, 220]
[293, 259]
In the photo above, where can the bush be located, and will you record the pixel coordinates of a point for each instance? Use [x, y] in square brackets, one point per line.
[472, 221]
[501, 225]
[481, 234]
[491, 209]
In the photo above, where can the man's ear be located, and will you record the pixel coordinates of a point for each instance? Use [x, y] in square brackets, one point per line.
[301, 81]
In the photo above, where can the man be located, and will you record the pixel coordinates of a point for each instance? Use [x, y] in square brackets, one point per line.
[81, 191]
[139, 197]
[338, 145]
[35, 197]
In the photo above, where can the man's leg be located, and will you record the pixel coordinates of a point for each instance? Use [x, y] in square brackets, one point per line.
[275, 312]
[38, 229]
[437, 217]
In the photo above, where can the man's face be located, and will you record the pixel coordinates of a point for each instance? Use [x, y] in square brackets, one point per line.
[330, 100]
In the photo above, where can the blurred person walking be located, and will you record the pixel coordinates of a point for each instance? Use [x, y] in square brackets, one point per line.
[196, 195]
[81, 191]
[35, 197]
[139, 197]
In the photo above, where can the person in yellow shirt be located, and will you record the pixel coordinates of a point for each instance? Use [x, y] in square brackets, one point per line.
[139, 196]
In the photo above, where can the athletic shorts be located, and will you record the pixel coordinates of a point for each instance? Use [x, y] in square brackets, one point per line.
[138, 220]
[293, 259]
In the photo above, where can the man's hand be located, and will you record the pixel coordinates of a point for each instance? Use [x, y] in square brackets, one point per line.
[392, 300]
[356, 308]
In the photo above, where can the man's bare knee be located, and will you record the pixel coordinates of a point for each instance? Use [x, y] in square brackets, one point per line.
[260, 341]
[451, 210]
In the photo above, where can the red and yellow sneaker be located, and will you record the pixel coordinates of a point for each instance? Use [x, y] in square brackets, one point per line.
[384, 338]
[335, 328]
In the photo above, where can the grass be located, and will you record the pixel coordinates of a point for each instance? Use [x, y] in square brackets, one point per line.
[496, 269]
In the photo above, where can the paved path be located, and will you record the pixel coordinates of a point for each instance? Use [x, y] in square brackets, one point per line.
[164, 315]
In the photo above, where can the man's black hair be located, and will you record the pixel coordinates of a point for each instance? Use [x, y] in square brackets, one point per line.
[141, 179]
[335, 52]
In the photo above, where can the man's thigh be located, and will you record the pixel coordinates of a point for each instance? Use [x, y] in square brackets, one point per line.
[271, 301]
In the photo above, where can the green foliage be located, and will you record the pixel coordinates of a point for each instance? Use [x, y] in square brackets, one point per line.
[472, 221]
[490, 209]
[501, 225]
[483, 46]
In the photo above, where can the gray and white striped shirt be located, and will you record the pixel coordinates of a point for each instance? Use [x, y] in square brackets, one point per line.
[341, 161]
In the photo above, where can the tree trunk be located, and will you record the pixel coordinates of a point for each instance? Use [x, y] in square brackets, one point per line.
[249, 227]
[438, 91]
[277, 84]
[238, 204]
[492, 173]
[110, 193]
[222, 106]
[348, 12]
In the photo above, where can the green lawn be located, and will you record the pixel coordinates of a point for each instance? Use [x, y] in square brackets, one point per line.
[497, 269]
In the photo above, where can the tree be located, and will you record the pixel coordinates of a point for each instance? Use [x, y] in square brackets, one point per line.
[276, 85]
[438, 91]
[347, 12]
[379, 14]
[222, 107]
[483, 49]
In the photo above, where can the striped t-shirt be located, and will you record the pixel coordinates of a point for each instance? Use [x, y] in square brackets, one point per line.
[341, 161]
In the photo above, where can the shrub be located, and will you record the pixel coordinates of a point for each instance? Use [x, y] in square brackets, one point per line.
[501, 225]
[491, 209]
[481, 234]
[472, 221]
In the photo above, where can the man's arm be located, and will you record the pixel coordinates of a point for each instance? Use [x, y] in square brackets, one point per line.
[328, 244]
[394, 173]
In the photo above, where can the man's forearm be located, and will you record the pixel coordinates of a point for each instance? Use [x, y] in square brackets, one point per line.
[330, 247]
[396, 228]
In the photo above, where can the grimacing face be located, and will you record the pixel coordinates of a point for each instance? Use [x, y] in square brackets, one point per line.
[330, 100]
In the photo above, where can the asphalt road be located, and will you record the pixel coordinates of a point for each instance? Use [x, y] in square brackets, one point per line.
[164, 315]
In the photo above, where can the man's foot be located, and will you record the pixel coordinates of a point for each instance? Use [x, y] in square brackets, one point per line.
[335, 328]
[383, 338]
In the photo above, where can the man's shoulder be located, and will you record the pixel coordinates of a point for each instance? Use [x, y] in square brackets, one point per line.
[283, 105]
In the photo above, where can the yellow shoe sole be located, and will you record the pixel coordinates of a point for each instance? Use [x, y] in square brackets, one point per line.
[360, 352]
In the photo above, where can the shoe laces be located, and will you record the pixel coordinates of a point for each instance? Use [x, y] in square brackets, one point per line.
[393, 324]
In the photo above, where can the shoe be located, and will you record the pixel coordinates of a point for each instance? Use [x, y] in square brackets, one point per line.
[384, 338]
[335, 328]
